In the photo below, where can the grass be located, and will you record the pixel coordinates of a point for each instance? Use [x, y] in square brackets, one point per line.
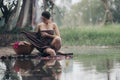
[91, 35]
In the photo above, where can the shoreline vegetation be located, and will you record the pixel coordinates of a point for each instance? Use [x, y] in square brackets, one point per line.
[108, 35]
[84, 36]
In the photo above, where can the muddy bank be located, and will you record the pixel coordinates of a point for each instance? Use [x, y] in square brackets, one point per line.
[9, 50]
[72, 49]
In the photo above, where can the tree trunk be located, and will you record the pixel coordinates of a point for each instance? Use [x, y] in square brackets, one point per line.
[108, 15]
[14, 16]
[21, 15]
[49, 5]
[10, 14]
[25, 16]
[33, 22]
[30, 12]
[45, 4]
[19, 21]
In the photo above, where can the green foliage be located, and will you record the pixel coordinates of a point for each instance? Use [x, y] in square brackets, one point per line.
[90, 12]
[85, 12]
[89, 35]
[93, 12]
[58, 16]
[116, 11]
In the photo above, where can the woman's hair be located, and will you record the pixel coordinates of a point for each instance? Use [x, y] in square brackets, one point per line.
[46, 14]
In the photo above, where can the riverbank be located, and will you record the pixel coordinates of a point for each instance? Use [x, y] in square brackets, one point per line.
[108, 35]
[95, 35]
[72, 49]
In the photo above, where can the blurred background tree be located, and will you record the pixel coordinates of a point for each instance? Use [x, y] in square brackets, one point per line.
[26, 13]
[115, 9]
[19, 15]
[9, 11]
[85, 12]
[15, 13]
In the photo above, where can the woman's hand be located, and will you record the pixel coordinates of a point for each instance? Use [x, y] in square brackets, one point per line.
[44, 34]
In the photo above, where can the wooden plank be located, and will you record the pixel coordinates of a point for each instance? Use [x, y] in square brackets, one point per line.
[38, 56]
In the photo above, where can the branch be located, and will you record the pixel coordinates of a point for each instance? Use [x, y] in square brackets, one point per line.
[3, 7]
[10, 10]
[2, 10]
[1, 3]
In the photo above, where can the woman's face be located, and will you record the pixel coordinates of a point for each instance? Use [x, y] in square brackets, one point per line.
[44, 19]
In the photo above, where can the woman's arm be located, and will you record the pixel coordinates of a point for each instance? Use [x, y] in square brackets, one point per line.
[56, 30]
[44, 34]
[37, 28]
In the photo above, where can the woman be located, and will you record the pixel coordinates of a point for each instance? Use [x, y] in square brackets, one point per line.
[47, 39]
[49, 30]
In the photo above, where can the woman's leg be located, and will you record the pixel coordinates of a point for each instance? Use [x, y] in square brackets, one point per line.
[50, 51]
[56, 43]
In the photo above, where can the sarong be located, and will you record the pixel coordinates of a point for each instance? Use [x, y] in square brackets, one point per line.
[39, 42]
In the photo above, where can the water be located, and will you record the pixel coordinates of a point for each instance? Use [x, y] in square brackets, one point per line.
[34, 69]
[101, 71]
[89, 64]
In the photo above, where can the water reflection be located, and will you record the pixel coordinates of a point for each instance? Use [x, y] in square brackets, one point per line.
[97, 67]
[31, 69]
[8, 72]
[82, 67]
